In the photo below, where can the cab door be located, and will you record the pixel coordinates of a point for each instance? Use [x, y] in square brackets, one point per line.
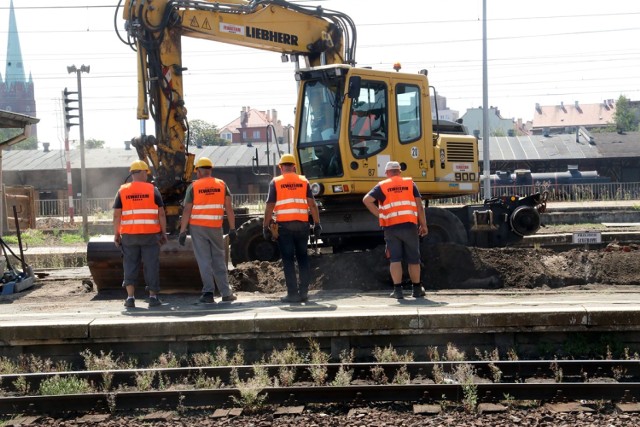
[368, 129]
[412, 129]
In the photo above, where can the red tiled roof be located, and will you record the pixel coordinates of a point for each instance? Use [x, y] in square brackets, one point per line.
[256, 118]
[572, 115]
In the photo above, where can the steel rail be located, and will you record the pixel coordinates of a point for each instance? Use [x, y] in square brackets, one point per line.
[509, 371]
[293, 396]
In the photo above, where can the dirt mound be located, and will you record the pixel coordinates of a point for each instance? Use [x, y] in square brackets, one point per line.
[450, 266]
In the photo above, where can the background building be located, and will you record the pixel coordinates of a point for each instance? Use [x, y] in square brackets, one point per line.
[16, 92]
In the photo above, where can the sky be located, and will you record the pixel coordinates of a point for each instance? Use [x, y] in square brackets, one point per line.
[543, 51]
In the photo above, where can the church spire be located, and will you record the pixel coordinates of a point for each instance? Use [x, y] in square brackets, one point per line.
[15, 69]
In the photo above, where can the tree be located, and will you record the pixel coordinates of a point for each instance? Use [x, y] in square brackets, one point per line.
[625, 116]
[94, 143]
[204, 133]
[30, 143]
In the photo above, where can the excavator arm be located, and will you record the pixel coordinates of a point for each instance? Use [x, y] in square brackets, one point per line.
[155, 29]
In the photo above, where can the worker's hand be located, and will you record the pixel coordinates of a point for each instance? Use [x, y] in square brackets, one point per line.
[232, 235]
[423, 231]
[266, 233]
[317, 230]
[117, 239]
[163, 239]
[182, 238]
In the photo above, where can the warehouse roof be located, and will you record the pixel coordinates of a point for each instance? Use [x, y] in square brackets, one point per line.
[532, 147]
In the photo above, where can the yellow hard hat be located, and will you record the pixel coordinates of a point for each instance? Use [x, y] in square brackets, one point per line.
[204, 162]
[139, 165]
[287, 158]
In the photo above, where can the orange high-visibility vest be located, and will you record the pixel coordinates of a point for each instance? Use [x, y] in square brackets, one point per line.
[208, 202]
[139, 209]
[399, 205]
[291, 198]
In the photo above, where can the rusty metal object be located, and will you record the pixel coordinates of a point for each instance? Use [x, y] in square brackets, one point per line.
[178, 267]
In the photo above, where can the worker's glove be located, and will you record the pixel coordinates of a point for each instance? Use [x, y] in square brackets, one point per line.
[317, 230]
[182, 238]
[266, 233]
[232, 235]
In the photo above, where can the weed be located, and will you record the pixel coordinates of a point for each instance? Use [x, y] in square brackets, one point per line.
[378, 376]
[389, 354]
[618, 372]
[557, 371]
[32, 363]
[71, 239]
[509, 400]
[402, 376]
[167, 360]
[250, 398]
[180, 408]
[453, 354]
[512, 354]
[288, 356]
[343, 377]
[202, 381]
[7, 367]
[111, 402]
[58, 385]
[22, 386]
[438, 374]
[318, 360]
[496, 373]
[464, 374]
[144, 379]
[104, 361]
[286, 376]
[347, 356]
[433, 354]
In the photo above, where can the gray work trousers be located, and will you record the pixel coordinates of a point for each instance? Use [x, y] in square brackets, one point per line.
[141, 249]
[208, 247]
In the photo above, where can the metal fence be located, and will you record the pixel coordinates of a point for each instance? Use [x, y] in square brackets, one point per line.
[101, 207]
[557, 192]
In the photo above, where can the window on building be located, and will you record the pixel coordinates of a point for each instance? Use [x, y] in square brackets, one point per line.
[256, 134]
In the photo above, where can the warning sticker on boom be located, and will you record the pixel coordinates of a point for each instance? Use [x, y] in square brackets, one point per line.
[231, 28]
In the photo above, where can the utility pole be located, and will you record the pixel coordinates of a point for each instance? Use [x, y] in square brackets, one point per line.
[83, 172]
[486, 158]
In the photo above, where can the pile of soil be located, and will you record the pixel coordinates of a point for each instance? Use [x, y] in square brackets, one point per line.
[450, 266]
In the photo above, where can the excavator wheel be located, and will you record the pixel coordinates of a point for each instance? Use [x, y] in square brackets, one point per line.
[444, 227]
[250, 245]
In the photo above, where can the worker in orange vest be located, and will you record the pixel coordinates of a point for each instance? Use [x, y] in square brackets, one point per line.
[205, 202]
[401, 214]
[290, 200]
[140, 228]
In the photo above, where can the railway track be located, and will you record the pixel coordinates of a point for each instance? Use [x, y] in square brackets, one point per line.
[355, 384]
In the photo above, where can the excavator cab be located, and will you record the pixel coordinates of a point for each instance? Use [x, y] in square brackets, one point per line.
[319, 134]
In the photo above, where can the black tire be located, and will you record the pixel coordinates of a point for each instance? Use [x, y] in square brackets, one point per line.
[251, 246]
[444, 227]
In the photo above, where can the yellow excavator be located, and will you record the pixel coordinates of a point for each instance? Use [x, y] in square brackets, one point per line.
[350, 122]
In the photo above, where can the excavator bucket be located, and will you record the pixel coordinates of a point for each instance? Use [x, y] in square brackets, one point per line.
[178, 267]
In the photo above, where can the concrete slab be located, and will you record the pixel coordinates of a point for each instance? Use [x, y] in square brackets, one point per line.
[329, 314]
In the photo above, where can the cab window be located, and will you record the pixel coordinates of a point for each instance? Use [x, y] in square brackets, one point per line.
[368, 125]
[409, 115]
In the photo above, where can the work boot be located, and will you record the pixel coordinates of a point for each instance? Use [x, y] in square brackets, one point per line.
[130, 302]
[418, 291]
[206, 298]
[154, 301]
[304, 297]
[229, 298]
[397, 292]
[291, 298]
